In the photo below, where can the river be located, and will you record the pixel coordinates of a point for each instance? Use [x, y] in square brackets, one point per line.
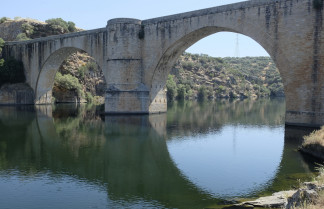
[197, 155]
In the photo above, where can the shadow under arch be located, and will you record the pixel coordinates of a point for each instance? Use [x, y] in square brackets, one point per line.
[45, 80]
[173, 52]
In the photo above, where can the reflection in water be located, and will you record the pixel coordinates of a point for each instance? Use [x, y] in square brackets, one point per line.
[194, 156]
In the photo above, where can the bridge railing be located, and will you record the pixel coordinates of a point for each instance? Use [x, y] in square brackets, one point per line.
[56, 37]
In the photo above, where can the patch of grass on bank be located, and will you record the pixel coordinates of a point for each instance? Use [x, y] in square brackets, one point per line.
[316, 138]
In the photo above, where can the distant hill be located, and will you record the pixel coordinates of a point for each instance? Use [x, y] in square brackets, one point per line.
[225, 77]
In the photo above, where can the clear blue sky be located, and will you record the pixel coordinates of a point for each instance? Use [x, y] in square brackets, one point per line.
[95, 14]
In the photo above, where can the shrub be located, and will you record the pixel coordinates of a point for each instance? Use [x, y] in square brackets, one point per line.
[202, 93]
[171, 87]
[181, 92]
[69, 82]
[11, 71]
[3, 19]
[89, 97]
[81, 71]
[71, 26]
[22, 37]
[58, 25]
[28, 29]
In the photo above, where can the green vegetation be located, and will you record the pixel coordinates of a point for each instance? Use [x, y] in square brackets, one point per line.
[84, 69]
[28, 29]
[202, 77]
[22, 37]
[3, 19]
[171, 87]
[69, 82]
[60, 26]
[11, 70]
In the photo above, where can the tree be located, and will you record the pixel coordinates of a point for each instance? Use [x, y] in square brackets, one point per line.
[181, 91]
[60, 26]
[71, 26]
[202, 93]
[171, 88]
[3, 19]
[12, 71]
[28, 29]
[22, 37]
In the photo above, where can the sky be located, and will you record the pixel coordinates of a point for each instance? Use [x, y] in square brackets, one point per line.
[95, 14]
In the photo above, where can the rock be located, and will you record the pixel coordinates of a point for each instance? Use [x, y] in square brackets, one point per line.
[287, 199]
[276, 200]
[301, 197]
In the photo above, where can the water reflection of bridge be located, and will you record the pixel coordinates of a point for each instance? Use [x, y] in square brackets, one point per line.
[131, 164]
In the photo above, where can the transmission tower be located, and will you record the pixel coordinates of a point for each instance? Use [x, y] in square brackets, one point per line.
[237, 47]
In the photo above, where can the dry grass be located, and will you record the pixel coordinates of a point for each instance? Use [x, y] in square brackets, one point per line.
[319, 203]
[316, 137]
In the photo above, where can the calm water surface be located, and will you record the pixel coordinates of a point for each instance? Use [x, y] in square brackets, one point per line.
[197, 155]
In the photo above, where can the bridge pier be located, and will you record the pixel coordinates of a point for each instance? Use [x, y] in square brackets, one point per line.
[126, 94]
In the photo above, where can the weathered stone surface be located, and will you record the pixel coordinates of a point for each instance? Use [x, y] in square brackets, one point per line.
[277, 200]
[133, 52]
[20, 93]
[288, 199]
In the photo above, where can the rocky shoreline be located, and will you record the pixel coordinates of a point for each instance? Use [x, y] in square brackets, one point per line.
[287, 199]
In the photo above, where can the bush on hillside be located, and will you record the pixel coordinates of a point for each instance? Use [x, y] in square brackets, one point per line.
[22, 37]
[202, 93]
[3, 19]
[28, 29]
[71, 26]
[69, 82]
[60, 26]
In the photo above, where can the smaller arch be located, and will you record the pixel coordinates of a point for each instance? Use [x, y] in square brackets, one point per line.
[46, 77]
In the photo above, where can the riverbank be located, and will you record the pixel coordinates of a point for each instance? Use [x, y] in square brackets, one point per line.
[310, 195]
[314, 144]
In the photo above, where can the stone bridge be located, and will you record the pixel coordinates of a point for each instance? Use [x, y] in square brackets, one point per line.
[136, 56]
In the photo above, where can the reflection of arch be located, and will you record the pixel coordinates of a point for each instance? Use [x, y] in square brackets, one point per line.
[45, 80]
[157, 178]
[179, 45]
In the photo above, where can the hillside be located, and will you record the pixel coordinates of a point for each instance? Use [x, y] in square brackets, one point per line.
[204, 76]
[193, 76]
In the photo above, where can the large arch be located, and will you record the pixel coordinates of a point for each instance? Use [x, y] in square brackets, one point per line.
[45, 80]
[173, 52]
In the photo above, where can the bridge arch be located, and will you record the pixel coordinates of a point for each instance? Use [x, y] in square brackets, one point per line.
[178, 46]
[46, 77]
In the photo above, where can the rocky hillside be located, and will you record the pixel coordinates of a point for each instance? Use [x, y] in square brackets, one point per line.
[24, 29]
[194, 76]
